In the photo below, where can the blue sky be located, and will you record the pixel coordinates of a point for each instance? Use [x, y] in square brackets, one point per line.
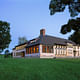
[27, 17]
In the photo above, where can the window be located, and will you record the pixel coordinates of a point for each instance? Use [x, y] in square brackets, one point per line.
[50, 49]
[36, 49]
[44, 49]
[55, 50]
[47, 49]
[18, 54]
[69, 51]
[58, 50]
[27, 51]
[33, 49]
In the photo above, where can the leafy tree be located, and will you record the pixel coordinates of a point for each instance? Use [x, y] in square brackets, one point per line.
[73, 24]
[22, 40]
[59, 6]
[7, 54]
[5, 37]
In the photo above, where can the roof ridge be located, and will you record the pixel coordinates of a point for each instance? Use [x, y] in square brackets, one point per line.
[56, 37]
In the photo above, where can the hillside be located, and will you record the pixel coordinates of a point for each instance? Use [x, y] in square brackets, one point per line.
[39, 69]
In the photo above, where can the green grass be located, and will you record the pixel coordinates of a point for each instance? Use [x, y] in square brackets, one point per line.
[39, 69]
[1, 56]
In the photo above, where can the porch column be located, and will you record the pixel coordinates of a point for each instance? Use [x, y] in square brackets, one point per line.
[54, 50]
[40, 48]
[25, 51]
[14, 53]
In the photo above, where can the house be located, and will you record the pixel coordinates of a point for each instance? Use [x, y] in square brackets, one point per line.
[46, 46]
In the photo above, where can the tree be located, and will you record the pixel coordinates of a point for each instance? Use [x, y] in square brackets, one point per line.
[59, 6]
[5, 37]
[73, 24]
[22, 40]
[7, 53]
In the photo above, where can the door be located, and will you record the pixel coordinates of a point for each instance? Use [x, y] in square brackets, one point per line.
[23, 54]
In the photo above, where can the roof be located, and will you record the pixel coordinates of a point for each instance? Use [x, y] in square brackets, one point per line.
[49, 40]
[21, 44]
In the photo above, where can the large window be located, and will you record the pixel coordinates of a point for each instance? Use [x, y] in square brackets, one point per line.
[44, 49]
[20, 54]
[60, 49]
[51, 49]
[47, 49]
[32, 49]
[27, 50]
[37, 49]
[70, 51]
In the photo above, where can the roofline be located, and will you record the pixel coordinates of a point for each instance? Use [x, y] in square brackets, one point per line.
[13, 48]
[21, 44]
[31, 45]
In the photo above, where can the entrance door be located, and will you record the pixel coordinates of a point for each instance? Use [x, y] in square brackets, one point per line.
[23, 54]
[74, 53]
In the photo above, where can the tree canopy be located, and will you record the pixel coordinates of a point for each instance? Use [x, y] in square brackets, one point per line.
[73, 24]
[60, 5]
[22, 40]
[5, 37]
[7, 52]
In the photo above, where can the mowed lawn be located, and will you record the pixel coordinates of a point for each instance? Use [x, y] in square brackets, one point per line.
[39, 69]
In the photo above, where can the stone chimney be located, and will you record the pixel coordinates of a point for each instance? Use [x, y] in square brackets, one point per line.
[42, 32]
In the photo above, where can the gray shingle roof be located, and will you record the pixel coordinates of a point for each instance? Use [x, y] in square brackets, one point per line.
[49, 40]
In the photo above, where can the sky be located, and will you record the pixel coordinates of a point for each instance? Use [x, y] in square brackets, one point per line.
[27, 17]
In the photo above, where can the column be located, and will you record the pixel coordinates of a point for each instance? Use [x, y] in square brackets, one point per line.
[54, 50]
[40, 48]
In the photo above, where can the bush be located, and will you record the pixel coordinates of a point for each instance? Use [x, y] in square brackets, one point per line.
[7, 54]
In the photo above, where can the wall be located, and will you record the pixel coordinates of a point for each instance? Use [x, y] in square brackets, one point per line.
[18, 51]
[37, 55]
[59, 51]
[46, 55]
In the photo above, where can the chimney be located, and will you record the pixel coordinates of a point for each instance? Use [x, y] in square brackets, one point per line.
[42, 32]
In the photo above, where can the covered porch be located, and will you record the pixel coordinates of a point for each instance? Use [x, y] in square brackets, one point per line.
[19, 53]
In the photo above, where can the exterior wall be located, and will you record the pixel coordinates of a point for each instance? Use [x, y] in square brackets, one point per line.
[34, 51]
[21, 47]
[77, 49]
[79, 52]
[15, 52]
[58, 51]
[36, 55]
[46, 55]
[61, 51]
[70, 52]
[19, 51]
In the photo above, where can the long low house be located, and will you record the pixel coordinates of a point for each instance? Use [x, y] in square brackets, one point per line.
[46, 46]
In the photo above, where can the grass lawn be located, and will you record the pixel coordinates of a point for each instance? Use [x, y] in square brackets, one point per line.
[1, 56]
[39, 69]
